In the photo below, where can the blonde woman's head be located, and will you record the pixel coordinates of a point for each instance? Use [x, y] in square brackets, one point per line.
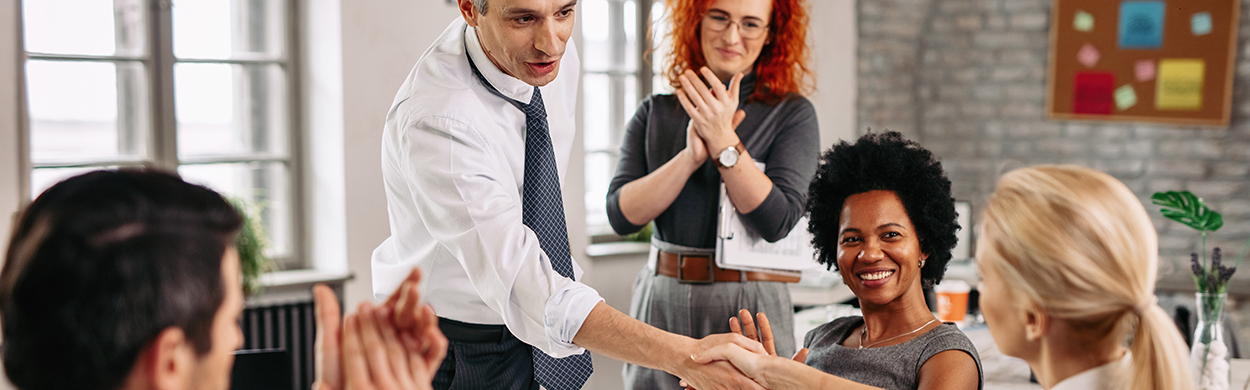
[1076, 246]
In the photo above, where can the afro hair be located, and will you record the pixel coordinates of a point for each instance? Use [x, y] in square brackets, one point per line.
[885, 161]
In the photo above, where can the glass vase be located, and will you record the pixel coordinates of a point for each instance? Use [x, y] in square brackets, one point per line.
[1209, 356]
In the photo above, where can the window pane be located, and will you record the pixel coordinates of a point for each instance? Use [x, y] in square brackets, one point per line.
[228, 28]
[629, 103]
[230, 109]
[599, 172]
[86, 110]
[266, 185]
[94, 27]
[42, 178]
[596, 111]
[595, 35]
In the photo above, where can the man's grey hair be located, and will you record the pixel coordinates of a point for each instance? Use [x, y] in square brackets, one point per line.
[480, 5]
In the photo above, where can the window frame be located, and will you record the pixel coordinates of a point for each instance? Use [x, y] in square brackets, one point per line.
[643, 74]
[160, 146]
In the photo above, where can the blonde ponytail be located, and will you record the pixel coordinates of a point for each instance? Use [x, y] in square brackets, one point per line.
[1160, 358]
[1079, 244]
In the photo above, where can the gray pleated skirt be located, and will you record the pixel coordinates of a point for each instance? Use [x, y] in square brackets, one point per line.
[698, 310]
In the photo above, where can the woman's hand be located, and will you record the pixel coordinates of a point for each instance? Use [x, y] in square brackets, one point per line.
[694, 145]
[743, 325]
[713, 109]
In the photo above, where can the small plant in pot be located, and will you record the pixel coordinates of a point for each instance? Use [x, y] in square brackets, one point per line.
[251, 244]
[1209, 355]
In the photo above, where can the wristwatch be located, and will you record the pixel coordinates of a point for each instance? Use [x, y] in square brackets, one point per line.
[728, 157]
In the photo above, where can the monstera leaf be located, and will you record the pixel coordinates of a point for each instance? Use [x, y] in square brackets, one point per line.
[1187, 208]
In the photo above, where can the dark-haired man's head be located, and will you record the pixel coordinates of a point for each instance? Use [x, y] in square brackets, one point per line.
[122, 280]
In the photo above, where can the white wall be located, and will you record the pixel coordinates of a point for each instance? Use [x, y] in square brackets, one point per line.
[10, 167]
[833, 32]
[380, 40]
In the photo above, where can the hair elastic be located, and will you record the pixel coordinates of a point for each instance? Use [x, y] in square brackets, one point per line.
[1144, 305]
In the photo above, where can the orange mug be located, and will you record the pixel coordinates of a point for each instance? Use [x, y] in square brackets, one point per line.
[952, 296]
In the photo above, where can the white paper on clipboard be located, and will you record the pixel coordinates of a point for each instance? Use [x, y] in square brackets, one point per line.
[738, 247]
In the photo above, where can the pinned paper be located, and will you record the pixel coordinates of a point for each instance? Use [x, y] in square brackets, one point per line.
[1200, 23]
[1092, 93]
[1180, 84]
[1141, 24]
[1083, 21]
[1088, 55]
[1145, 70]
[1125, 97]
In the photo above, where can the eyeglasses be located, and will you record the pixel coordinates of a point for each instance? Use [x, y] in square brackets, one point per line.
[750, 28]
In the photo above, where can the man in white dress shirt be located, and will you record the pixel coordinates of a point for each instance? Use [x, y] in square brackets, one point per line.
[453, 161]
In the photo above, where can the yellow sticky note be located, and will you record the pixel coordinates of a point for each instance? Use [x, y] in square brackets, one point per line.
[1179, 85]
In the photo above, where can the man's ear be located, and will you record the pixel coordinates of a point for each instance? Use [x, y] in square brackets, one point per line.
[1036, 323]
[470, 12]
[167, 361]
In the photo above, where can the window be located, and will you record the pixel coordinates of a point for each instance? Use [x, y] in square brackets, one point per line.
[203, 87]
[618, 74]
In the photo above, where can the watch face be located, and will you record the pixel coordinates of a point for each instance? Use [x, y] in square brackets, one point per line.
[728, 157]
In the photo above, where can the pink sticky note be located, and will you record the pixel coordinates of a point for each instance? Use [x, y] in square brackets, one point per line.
[1088, 55]
[1145, 70]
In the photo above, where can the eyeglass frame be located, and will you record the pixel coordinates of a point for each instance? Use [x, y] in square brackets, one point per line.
[729, 21]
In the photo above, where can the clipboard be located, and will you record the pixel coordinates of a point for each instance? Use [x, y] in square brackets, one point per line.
[739, 247]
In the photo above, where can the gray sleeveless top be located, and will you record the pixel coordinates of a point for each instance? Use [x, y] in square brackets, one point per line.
[892, 367]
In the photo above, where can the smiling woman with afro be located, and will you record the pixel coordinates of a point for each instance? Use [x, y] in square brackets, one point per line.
[885, 161]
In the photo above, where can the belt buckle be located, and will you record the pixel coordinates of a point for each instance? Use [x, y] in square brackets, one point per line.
[681, 271]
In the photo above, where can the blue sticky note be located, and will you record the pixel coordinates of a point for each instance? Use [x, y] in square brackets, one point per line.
[1200, 23]
[1141, 24]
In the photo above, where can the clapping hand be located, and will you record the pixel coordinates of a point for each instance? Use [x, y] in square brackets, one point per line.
[712, 107]
[396, 346]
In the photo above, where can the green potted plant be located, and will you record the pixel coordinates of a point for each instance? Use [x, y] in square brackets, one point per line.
[251, 244]
[1209, 355]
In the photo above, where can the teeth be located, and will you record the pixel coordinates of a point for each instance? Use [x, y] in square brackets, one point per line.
[876, 275]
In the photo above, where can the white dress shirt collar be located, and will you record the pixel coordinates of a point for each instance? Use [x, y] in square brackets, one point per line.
[507, 85]
[1107, 376]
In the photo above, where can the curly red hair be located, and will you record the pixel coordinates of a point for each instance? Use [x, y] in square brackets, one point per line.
[782, 67]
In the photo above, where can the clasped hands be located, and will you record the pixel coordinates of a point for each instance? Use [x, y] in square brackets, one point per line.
[713, 111]
[394, 346]
[751, 359]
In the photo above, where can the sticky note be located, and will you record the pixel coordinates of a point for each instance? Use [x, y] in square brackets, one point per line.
[1087, 55]
[1092, 93]
[1200, 23]
[1083, 21]
[1180, 84]
[1141, 24]
[1125, 97]
[1145, 70]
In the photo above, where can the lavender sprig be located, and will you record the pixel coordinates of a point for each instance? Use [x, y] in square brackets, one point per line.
[1194, 265]
[1214, 279]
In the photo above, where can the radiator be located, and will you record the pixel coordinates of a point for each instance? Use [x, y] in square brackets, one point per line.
[289, 326]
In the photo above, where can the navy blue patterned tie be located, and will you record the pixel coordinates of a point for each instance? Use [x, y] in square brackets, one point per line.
[542, 210]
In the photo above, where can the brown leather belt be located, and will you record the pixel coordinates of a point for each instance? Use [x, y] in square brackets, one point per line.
[702, 269]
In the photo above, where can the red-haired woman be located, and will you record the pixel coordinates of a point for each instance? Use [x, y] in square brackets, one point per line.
[739, 68]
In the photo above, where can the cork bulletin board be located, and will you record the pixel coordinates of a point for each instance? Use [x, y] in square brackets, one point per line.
[1167, 61]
